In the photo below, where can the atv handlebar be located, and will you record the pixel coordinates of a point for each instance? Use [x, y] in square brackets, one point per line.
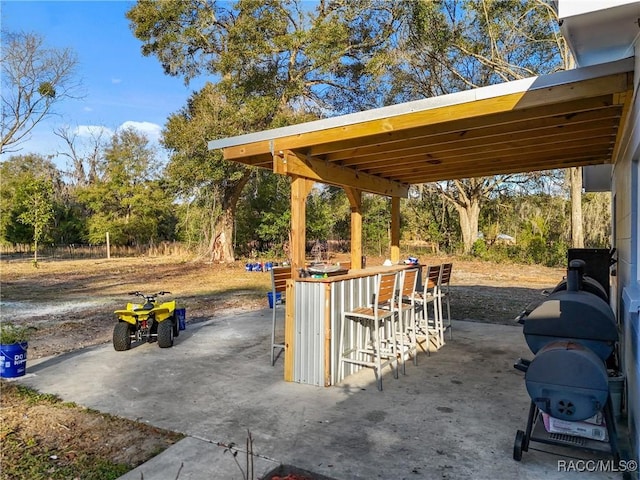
[151, 296]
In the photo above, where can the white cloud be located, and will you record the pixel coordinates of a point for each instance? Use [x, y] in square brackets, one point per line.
[115, 81]
[153, 131]
[89, 131]
[87, 109]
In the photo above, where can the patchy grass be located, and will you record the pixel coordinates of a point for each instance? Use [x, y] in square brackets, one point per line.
[45, 438]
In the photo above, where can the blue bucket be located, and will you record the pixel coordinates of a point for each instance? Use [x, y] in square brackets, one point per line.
[278, 298]
[181, 315]
[14, 360]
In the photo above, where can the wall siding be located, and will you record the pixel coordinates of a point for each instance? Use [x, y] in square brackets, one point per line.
[626, 191]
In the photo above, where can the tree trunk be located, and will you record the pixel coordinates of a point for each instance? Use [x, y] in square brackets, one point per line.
[222, 244]
[575, 186]
[469, 215]
[222, 238]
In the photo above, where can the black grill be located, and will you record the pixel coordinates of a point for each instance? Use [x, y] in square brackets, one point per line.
[573, 334]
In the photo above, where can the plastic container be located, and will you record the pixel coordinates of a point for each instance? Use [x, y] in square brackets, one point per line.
[14, 360]
[278, 298]
[181, 315]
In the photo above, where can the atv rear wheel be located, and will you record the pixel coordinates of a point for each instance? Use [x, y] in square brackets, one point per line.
[122, 336]
[165, 333]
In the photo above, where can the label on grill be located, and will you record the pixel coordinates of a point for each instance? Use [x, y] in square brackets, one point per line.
[580, 429]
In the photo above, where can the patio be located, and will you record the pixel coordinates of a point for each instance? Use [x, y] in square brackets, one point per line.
[453, 416]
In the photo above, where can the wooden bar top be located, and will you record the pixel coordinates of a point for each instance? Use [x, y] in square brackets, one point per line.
[358, 273]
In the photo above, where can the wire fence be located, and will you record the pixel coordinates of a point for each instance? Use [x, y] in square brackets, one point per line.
[77, 251]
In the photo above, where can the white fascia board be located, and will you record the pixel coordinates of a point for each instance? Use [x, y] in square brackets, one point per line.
[571, 8]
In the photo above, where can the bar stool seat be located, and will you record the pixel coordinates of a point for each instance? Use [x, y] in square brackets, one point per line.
[372, 330]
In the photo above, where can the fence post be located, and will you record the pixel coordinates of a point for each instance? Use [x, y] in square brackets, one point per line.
[108, 247]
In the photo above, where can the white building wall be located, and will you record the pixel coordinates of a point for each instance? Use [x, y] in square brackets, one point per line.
[626, 205]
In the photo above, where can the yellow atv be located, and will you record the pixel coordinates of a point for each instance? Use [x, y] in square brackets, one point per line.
[148, 321]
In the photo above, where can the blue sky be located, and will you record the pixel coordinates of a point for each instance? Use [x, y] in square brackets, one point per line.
[120, 86]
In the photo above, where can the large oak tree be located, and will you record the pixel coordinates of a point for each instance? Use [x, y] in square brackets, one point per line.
[274, 63]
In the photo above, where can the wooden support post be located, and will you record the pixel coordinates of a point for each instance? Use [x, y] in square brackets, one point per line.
[355, 200]
[300, 188]
[289, 332]
[395, 230]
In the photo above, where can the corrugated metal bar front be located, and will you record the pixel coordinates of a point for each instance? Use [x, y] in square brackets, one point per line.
[347, 295]
[309, 333]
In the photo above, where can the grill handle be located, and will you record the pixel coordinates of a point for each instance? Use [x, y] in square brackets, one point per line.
[522, 365]
[543, 403]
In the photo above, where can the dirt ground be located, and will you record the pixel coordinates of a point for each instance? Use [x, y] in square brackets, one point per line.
[71, 303]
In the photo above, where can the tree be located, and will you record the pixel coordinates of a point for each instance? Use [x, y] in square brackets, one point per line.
[37, 197]
[34, 79]
[209, 184]
[19, 174]
[127, 200]
[84, 155]
[278, 63]
[456, 45]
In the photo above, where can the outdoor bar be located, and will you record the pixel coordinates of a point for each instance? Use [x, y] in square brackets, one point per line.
[538, 123]
[317, 307]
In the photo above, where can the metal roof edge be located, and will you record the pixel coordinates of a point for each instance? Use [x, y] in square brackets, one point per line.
[481, 93]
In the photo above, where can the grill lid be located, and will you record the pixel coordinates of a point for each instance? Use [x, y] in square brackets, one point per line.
[578, 316]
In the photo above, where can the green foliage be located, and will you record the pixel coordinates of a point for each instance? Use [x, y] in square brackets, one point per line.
[479, 248]
[46, 89]
[270, 55]
[11, 333]
[376, 224]
[128, 200]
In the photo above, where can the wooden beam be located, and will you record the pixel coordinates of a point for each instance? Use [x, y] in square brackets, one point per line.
[395, 230]
[476, 108]
[290, 163]
[327, 335]
[355, 200]
[488, 170]
[627, 99]
[396, 167]
[300, 188]
[458, 142]
[560, 116]
[289, 332]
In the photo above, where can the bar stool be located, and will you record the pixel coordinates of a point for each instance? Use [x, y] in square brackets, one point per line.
[279, 277]
[429, 295]
[443, 295]
[374, 342]
[407, 316]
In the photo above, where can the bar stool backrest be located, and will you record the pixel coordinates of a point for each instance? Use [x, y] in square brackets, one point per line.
[410, 279]
[446, 275]
[432, 277]
[279, 277]
[387, 286]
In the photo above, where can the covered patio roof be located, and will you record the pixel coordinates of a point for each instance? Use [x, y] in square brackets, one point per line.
[565, 119]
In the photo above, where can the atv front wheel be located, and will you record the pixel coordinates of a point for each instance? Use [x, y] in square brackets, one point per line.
[122, 336]
[165, 333]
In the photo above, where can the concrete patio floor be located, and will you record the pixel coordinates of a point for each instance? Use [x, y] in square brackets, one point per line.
[453, 416]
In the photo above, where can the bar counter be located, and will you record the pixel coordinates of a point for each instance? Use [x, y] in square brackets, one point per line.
[317, 307]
